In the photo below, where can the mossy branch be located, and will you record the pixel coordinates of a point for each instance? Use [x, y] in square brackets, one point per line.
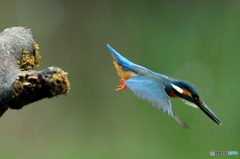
[19, 84]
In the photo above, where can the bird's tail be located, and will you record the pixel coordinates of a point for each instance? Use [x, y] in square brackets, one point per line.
[180, 122]
[117, 57]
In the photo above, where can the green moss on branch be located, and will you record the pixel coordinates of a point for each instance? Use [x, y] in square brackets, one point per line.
[19, 83]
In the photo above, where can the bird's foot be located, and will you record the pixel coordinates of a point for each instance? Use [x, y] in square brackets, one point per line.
[121, 87]
[121, 81]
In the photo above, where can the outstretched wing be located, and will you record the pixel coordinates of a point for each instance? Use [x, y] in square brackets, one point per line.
[152, 90]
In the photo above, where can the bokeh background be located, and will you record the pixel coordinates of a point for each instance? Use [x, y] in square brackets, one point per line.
[196, 41]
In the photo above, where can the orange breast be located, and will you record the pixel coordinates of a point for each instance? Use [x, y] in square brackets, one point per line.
[172, 94]
[123, 74]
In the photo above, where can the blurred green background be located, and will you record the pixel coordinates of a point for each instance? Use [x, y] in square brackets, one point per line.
[196, 41]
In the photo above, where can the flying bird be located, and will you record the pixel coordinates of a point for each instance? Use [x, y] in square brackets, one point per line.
[157, 88]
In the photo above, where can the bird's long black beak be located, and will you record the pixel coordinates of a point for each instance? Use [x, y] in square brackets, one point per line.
[208, 112]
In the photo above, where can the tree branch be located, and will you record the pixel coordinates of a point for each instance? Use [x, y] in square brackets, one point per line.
[19, 84]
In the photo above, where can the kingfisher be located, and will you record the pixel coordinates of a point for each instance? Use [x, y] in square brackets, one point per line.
[157, 88]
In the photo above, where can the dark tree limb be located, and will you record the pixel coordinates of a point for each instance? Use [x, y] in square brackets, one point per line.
[19, 84]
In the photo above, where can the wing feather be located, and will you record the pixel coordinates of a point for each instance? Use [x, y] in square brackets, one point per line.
[152, 90]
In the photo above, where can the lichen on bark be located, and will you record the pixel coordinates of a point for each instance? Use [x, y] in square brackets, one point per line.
[19, 83]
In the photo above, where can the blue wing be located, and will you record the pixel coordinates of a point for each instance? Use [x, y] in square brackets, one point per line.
[152, 90]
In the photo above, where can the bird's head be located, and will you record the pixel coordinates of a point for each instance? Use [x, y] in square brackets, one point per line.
[187, 92]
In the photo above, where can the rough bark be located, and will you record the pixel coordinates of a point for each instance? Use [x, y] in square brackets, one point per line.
[19, 83]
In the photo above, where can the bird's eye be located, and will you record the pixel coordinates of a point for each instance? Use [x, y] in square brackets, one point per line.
[195, 97]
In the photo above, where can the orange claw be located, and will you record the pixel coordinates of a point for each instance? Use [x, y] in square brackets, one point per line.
[121, 81]
[121, 87]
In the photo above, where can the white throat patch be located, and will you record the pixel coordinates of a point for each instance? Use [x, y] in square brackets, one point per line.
[178, 89]
[190, 104]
